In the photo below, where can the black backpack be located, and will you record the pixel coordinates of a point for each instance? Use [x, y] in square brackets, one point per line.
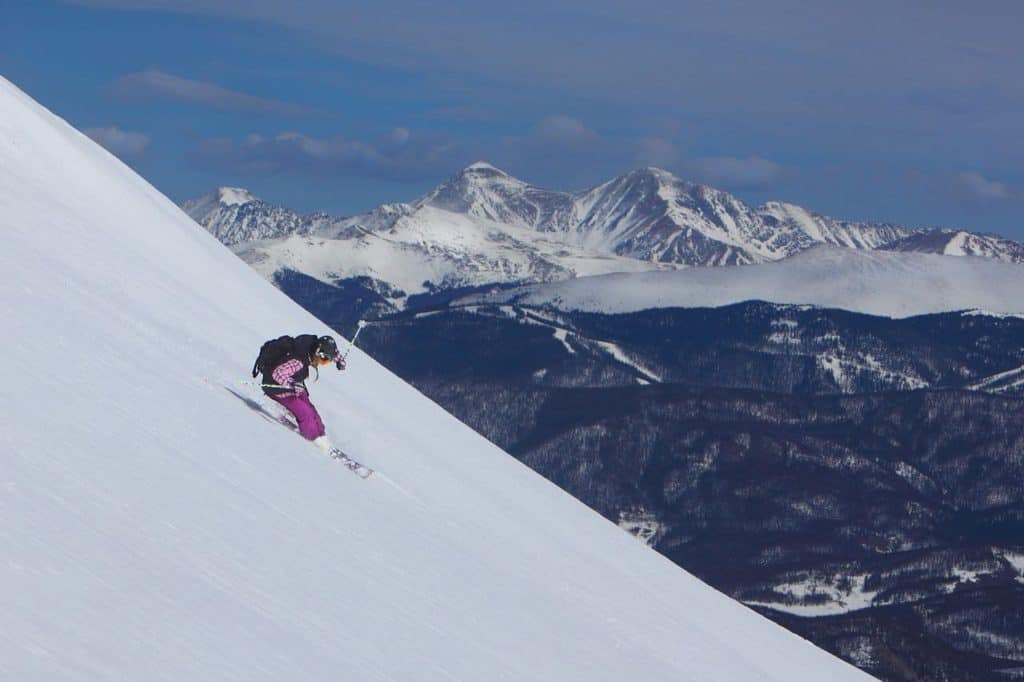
[273, 353]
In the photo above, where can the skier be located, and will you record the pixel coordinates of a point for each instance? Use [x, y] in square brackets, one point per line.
[284, 363]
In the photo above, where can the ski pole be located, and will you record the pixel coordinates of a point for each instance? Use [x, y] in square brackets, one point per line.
[352, 343]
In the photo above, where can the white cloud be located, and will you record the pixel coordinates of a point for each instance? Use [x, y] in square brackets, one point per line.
[401, 154]
[562, 146]
[733, 173]
[975, 187]
[562, 130]
[155, 84]
[122, 143]
[656, 151]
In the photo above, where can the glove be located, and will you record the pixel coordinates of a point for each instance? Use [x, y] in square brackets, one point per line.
[339, 362]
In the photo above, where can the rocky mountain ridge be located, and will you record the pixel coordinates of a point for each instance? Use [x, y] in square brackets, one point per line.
[647, 215]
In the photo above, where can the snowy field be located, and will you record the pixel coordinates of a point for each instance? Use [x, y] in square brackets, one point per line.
[157, 525]
[891, 284]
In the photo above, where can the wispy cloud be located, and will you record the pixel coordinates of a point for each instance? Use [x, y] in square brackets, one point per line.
[127, 145]
[657, 151]
[563, 131]
[773, 58]
[726, 172]
[158, 85]
[973, 186]
[567, 140]
[463, 114]
[566, 146]
[557, 149]
[399, 155]
[560, 150]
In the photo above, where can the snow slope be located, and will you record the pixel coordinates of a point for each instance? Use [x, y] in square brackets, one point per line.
[155, 526]
[874, 282]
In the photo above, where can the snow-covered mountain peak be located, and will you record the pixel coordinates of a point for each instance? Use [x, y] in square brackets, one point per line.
[235, 215]
[221, 197]
[647, 178]
[234, 196]
[480, 175]
[483, 168]
[483, 191]
[660, 176]
[651, 214]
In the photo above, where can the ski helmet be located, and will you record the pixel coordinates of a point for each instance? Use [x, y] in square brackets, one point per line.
[326, 348]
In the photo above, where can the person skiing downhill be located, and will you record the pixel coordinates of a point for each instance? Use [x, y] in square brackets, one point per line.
[284, 363]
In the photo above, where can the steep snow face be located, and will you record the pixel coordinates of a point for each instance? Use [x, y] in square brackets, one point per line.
[652, 215]
[873, 282]
[159, 524]
[627, 214]
[483, 191]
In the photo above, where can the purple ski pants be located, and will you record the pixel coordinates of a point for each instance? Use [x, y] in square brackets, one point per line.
[310, 424]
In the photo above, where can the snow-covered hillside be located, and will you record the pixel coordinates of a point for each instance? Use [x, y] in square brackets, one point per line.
[156, 526]
[874, 282]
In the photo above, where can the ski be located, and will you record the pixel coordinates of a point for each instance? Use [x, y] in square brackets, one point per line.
[360, 470]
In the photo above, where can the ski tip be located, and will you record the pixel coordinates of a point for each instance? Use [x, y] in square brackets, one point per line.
[360, 470]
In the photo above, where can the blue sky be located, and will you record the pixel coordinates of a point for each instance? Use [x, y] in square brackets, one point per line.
[901, 111]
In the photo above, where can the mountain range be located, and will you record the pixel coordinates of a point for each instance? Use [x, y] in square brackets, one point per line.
[485, 227]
